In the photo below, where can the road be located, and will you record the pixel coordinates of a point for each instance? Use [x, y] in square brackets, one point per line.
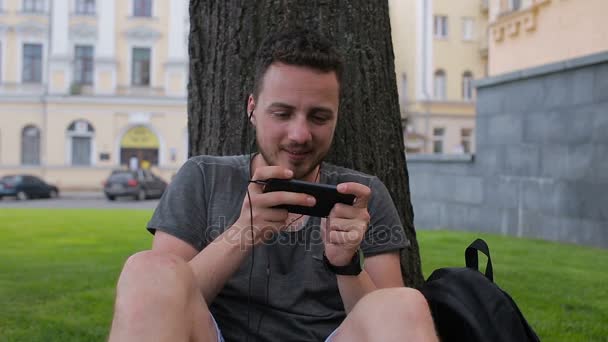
[81, 200]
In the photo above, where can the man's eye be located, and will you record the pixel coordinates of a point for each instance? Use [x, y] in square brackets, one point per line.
[320, 119]
[281, 115]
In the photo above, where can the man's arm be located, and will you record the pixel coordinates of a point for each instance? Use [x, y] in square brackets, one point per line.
[380, 271]
[213, 266]
[344, 232]
[217, 262]
[168, 243]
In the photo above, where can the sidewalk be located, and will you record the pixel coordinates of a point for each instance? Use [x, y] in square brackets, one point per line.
[81, 195]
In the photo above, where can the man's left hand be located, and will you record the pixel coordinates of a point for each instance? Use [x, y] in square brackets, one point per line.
[346, 225]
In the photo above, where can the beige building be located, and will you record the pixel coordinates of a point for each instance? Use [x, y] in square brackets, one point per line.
[440, 48]
[86, 85]
[528, 33]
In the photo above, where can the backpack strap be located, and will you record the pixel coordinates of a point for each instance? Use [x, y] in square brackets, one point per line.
[470, 256]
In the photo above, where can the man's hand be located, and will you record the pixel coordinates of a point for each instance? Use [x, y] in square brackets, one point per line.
[266, 219]
[346, 225]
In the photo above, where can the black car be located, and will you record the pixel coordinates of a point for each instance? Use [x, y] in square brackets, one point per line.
[26, 186]
[140, 184]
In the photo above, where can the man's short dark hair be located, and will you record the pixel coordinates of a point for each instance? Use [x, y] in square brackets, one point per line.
[299, 47]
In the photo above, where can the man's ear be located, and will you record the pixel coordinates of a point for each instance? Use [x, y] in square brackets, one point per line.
[251, 108]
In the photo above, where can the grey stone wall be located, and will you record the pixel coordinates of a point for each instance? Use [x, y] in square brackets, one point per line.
[541, 168]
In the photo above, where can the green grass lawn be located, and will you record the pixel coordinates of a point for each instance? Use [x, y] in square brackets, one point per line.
[58, 269]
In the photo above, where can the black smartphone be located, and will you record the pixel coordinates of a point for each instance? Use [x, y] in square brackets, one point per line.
[326, 195]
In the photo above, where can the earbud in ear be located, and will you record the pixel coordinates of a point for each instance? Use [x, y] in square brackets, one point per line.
[251, 118]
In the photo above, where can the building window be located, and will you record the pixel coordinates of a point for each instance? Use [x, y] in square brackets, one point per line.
[467, 28]
[80, 136]
[30, 145]
[142, 8]
[140, 74]
[467, 86]
[465, 139]
[85, 7]
[32, 63]
[83, 64]
[441, 26]
[514, 5]
[33, 6]
[403, 97]
[438, 133]
[440, 85]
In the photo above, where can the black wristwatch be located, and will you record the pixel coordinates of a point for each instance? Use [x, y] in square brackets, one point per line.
[352, 269]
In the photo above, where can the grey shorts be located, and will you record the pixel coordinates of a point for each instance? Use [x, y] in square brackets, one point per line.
[220, 338]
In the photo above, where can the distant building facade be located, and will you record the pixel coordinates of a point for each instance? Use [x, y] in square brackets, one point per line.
[541, 168]
[440, 47]
[86, 86]
[531, 33]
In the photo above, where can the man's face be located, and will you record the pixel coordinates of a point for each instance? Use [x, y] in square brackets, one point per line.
[295, 116]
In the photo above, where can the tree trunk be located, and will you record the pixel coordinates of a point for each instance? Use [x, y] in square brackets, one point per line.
[224, 37]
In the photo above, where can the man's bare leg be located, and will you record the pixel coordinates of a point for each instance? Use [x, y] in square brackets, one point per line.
[396, 314]
[157, 300]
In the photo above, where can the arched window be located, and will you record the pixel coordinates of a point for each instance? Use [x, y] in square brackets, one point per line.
[467, 86]
[30, 145]
[80, 135]
[440, 85]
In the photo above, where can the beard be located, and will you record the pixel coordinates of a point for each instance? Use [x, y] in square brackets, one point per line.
[301, 170]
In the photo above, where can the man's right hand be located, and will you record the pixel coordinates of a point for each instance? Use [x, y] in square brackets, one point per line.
[258, 211]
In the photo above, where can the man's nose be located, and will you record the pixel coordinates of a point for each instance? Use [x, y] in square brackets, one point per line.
[299, 132]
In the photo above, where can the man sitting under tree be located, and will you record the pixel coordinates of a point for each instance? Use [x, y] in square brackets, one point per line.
[226, 264]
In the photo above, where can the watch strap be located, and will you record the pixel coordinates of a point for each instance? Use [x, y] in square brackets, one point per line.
[353, 268]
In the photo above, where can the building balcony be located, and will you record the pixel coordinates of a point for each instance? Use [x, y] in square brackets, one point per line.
[30, 90]
[483, 45]
[81, 89]
[484, 6]
[511, 24]
[140, 91]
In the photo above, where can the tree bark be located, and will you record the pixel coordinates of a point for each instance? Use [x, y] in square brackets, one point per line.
[224, 37]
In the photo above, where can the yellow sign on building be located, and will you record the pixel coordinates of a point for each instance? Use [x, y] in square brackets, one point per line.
[139, 137]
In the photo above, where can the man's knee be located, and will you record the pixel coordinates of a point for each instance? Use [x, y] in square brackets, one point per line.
[146, 261]
[154, 276]
[157, 292]
[389, 315]
[398, 302]
[397, 309]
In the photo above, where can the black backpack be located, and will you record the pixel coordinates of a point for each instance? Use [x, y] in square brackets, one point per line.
[468, 306]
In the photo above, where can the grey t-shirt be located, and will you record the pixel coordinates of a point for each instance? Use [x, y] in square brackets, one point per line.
[293, 296]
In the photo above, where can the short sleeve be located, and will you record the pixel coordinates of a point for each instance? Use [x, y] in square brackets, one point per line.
[181, 210]
[385, 232]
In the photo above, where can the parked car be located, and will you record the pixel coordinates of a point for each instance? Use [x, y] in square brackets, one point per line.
[140, 185]
[26, 186]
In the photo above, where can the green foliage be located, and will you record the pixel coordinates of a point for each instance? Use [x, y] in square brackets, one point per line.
[58, 270]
